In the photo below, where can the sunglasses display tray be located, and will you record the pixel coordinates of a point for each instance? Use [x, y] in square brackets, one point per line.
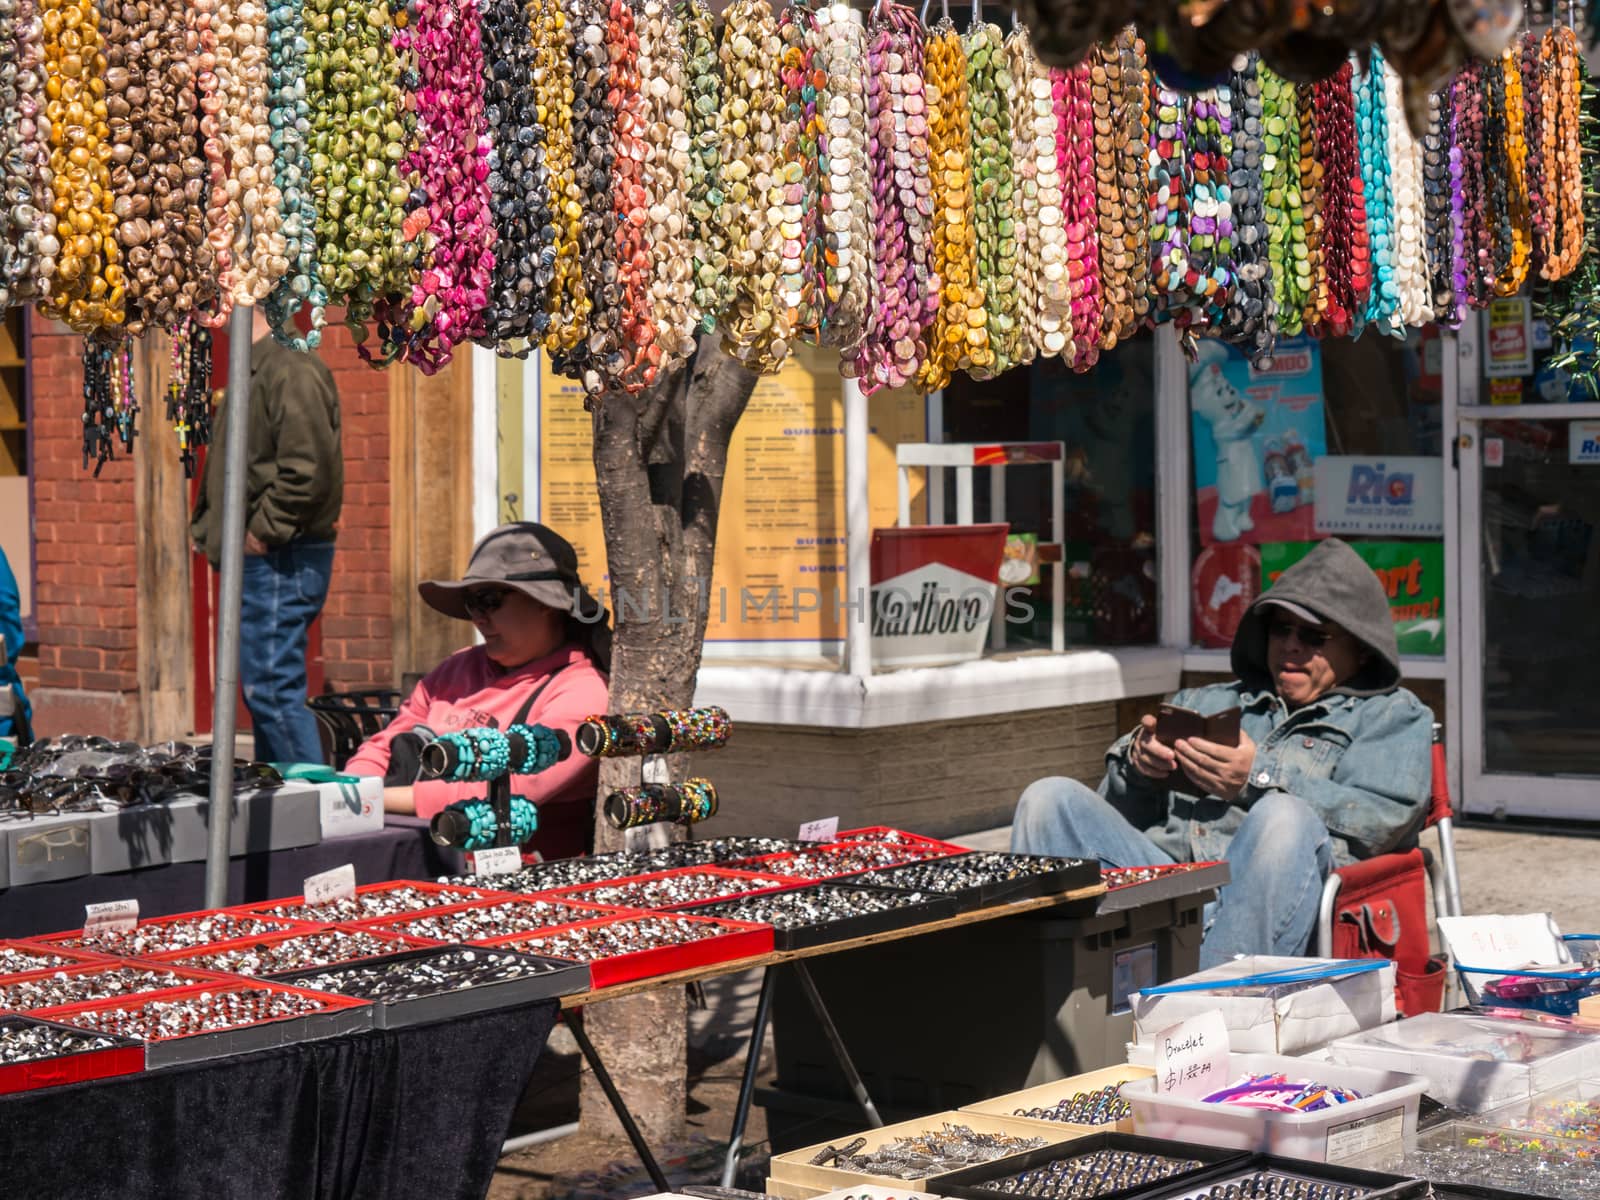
[121, 980]
[674, 889]
[1167, 882]
[1011, 1177]
[123, 1056]
[183, 932]
[305, 950]
[438, 998]
[488, 920]
[331, 1016]
[731, 941]
[979, 879]
[397, 897]
[823, 861]
[799, 930]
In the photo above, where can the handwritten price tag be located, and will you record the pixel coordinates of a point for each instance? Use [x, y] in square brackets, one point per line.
[110, 916]
[1192, 1056]
[824, 830]
[500, 860]
[331, 886]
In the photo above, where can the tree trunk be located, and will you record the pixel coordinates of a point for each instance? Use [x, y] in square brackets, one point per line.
[659, 458]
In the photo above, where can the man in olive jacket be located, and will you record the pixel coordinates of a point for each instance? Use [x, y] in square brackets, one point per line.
[293, 493]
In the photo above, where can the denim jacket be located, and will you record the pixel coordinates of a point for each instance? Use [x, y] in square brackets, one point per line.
[1363, 763]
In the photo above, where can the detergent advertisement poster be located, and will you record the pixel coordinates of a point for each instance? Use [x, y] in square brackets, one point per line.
[1258, 432]
[1412, 574]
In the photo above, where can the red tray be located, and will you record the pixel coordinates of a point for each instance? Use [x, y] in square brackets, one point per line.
[190, 978]
[743, 939]
[125, 1058]
[337, 1015]
[73, 938]
[398, 923]
[887, 833]
[754, 883]
[914, 852]
[260, 908]
[192, 958]
[74, 957]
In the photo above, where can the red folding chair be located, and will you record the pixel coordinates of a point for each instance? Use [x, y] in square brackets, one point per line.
[1378, 908]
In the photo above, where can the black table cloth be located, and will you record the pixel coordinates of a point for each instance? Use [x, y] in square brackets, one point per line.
[400, 850]
[387, 1115]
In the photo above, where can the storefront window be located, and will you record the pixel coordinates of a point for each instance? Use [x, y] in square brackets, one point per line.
[1335, 437]
[1106, 421]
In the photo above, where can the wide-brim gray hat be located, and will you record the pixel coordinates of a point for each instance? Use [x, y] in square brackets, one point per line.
[538, 562]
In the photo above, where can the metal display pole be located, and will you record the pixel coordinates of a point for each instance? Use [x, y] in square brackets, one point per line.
[225, 669]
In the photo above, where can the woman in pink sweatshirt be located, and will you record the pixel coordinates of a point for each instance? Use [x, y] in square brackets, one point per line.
[546, 646]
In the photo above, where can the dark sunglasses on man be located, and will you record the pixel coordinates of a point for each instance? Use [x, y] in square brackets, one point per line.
[1311, 639]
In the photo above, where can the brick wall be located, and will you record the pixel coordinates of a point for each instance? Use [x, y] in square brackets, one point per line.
[84, 527]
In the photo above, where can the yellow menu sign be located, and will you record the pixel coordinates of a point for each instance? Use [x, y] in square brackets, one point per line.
[780, 563]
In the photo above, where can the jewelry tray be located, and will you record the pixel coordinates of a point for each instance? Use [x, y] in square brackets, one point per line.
[1077, 873]
[933, 908]
[972, 1183]
[126, 1057]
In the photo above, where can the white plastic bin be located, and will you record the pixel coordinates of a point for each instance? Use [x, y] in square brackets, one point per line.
[1472, 1062]
[1386, 1113]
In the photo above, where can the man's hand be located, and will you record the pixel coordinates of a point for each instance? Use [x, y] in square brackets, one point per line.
[1220, 770]
[253, 544]
[1149, 757]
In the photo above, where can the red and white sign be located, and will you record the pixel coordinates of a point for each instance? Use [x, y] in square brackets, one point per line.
[934, 588]
[1225, 580]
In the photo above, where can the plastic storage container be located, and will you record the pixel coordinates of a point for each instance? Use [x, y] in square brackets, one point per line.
[1386, 1113]
[1471, 1062]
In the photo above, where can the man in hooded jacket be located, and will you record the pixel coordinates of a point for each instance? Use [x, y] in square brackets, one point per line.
[1333, 764]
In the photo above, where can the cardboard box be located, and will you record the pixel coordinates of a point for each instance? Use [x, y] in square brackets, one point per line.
[794, 1169]
[350, 805]
[1284, 1019]
[263, 819]
[1047, 1095]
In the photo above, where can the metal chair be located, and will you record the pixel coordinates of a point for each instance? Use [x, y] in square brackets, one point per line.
[346, 719]
[1372, 874]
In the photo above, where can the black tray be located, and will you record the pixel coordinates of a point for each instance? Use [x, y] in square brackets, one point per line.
[1168, 886]
[932, 908]
[971, 1183]
[565, 979]
[1077, 873]
[1379, 1185]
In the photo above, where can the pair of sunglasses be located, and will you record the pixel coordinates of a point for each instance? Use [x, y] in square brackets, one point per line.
[480, 602]
[1311, 639]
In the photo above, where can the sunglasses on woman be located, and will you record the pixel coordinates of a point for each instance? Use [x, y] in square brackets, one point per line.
[480, 602]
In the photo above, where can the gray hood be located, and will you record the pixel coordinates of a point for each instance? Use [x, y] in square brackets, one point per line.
[1337, 585]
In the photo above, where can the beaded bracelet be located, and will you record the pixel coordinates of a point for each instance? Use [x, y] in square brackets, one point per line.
[1506, 154]
[1347, 253]
[758, 327]
[1168, 202]
[1282, 203]
[959, 336]
[1133, 155]
[1249, 320]
[1562, 92]
[1531, 65]
[18, 242]
[32, 233]
[1468, 186]
[846, 229]
[704, 208]
[1439, 233]
[1075, 153]
[201, 41]
[1311, 196]
[519, 180]
[1382, 306]
[798, 243]
[258, 246]
[301, 285]
[993, 217]
[565, 298]
[905, 270]
[189, 390]
[1121, 202]
[631, 354]
[667, 170]
[593, 156]
[1021, 65]
[87, 288]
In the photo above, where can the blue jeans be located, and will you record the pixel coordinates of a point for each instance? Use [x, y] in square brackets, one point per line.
[1278, 860]
[284, 590]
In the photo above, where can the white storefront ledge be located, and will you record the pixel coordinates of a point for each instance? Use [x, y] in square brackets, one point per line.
[1216, 662]
[834, 700]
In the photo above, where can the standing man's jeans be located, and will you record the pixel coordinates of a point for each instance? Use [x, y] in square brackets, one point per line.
[1277, 861]
[284, 590]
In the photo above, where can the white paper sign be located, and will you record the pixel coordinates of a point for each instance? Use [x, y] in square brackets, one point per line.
[1192, 1056]
[1502, 943]
[824, 830]
[331, 886]
[498, 860]
[110, 916]
[1358, 1138]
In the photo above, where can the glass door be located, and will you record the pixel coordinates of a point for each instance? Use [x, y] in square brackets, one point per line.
[1530, 574]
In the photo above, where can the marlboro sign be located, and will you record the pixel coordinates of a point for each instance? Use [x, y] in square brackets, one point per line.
[933, 590]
